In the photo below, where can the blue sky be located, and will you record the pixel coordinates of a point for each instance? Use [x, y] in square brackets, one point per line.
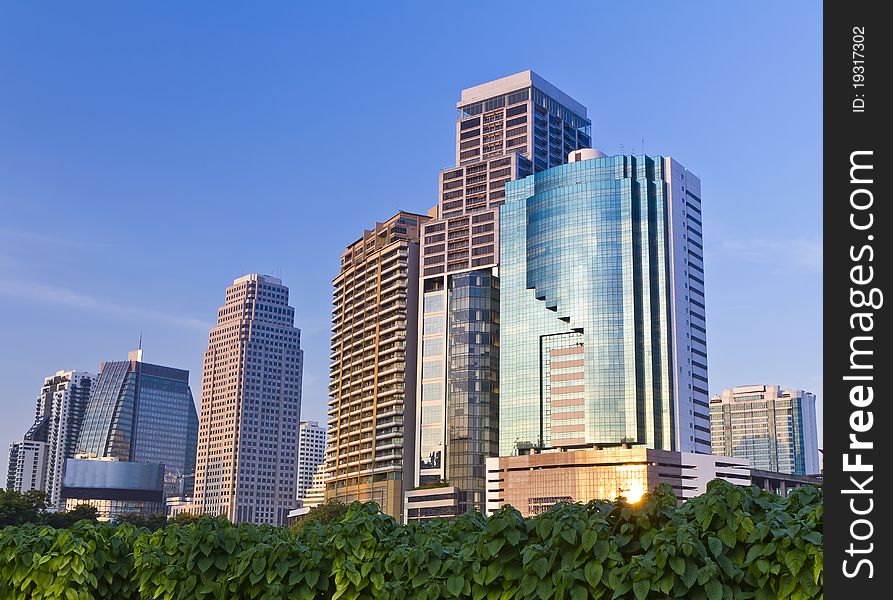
[152, 152]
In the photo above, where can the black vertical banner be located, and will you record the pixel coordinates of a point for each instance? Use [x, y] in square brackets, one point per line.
[858, 426]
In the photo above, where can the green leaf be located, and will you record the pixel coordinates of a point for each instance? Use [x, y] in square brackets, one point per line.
[494, 546]
[455, 583]
[578, 592]
[690, 575]
[513, 536]
[677, 563]
[794, 560]
[715, 545]
[311, 577]
[600, 550]
[641, 589]
[593, 573]
[713, 588]
[727, 536]
[540, 566]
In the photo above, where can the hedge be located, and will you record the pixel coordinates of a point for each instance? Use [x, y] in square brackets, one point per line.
[731, 542]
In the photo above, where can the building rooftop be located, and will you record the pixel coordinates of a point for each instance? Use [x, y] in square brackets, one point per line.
[518, 81]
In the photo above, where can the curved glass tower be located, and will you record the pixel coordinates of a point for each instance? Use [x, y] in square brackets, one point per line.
[139, 412]
[603, 339]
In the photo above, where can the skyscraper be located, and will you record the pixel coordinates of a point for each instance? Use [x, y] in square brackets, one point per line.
[251, 406]
[311, 453]
[60, 409]
[67, 392]
[603, 318]
[373, 370]
[505, 130]
[774, 429]
[140, 412]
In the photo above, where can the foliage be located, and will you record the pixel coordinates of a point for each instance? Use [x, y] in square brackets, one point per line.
[150, 522]
[325, 513]
[18, 507]
[730, 543]
[63, 519]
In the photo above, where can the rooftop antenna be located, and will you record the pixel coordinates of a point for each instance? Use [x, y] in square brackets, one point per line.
[643, 145]
[140, 347]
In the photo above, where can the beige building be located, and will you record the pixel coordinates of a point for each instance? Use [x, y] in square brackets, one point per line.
[246, 467]
[534, 482]
[372, 388]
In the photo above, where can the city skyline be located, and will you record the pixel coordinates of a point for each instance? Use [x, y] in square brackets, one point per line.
[118, 308]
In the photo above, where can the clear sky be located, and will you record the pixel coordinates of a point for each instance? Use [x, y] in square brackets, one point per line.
[151, 152]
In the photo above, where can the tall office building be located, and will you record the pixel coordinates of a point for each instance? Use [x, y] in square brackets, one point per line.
[251, 406]
[60, 407]
[311, 453]
[373, 369]
[774, 429]
[505, 130]
[603, 333]
[140, 412]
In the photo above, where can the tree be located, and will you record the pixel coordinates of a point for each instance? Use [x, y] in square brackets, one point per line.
[325, 513]
[184, 518]
[17, 507]
[62, 520]
[151, 522]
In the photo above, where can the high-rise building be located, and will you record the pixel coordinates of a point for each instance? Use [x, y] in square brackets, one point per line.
[373, 370]
[505, 130]
[311, 453]
[66, 394]
[59, 415]
[140, 412]
[774, 429]
[28, 458]
[603, 333]
[251, 406]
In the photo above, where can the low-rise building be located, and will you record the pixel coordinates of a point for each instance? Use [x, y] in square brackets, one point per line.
[114, 487]
[533, 482]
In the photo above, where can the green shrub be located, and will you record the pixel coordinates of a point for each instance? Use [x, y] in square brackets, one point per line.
[730, 543]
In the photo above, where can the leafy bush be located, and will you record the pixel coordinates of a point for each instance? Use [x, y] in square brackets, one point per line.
[730, 543]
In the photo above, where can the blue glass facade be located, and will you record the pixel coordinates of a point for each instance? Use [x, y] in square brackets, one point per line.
[588, 345]
[141, 412]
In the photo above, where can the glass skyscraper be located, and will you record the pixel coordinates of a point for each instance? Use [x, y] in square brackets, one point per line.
[140, 412]
[603, 337]
[505, 129]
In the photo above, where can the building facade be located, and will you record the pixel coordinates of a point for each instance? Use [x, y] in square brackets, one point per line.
[251, 406]
[373, 370]
[603, 332]
[532, 483]
[67, 393]
[311, 453]
[114, 487]
[38, 461]
[505, 130]
[774, 428]
[140, 412]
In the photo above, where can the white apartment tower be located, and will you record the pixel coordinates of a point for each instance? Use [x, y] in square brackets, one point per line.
[39, 459]
[311, 453]
[246, 467]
